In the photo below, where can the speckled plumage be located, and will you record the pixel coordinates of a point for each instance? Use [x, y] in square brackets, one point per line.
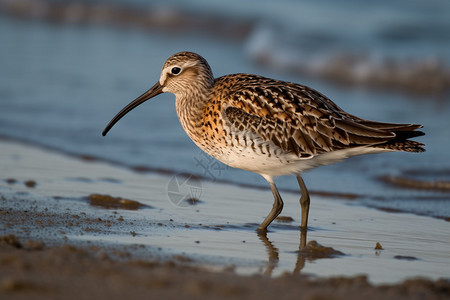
[268, 126]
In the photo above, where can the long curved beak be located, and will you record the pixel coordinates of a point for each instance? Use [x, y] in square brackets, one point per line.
[154, 91]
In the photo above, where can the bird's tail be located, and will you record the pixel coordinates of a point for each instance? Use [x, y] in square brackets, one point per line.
[401, 141]
[406, 146]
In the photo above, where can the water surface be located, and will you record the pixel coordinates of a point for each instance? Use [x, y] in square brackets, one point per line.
[63, 81]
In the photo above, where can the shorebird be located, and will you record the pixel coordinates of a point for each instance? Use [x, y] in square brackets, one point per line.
[268, 126]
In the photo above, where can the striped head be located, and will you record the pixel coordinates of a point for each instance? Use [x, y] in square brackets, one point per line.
[184, 74]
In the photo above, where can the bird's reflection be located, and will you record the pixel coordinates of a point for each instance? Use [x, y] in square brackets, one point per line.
[272, 251]
[300, 264]
[310, 251]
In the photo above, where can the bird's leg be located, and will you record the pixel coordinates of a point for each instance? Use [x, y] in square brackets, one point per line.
[276, 209]
[304, 202]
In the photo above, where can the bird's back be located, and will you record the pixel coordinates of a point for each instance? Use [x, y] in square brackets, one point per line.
[300, 120]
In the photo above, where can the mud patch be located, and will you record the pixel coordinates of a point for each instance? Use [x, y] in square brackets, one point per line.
[314, 250]
[336, 195]
[13, 241]
[403, 257]
[284, 219]
[109, 202]
[192, 201]
[17, 285]
[90, 180]
[30, 183]
[378, 246]
[406, 182]
[434, 179]
[10, 240]
[10, 181]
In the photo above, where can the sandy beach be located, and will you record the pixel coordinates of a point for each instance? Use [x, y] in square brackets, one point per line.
[144, 213]
[71, 223]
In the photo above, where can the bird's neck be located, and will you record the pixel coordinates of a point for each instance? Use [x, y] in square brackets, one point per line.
[190, 108]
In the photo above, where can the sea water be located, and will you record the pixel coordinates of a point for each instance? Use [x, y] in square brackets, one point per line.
[64, 77]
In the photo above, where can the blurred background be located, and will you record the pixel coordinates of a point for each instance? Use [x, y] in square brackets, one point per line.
[68, 66]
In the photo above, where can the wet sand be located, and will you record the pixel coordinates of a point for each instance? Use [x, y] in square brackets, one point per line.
[31, 270]
[69, 224]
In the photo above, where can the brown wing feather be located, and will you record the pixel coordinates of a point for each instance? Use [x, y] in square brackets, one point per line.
[301, 120]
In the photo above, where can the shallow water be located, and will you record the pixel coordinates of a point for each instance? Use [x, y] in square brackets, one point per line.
[217, 233]
[62, 83]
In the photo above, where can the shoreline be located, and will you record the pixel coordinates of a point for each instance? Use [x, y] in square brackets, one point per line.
[31, 269]
[400, 181]
[207, 248]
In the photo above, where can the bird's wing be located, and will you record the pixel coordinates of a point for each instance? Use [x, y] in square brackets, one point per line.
[296, 118]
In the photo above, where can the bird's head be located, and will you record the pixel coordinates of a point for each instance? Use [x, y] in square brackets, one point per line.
[183, 74]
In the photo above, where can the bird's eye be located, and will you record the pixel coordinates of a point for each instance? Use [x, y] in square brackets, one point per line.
[175, 70]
